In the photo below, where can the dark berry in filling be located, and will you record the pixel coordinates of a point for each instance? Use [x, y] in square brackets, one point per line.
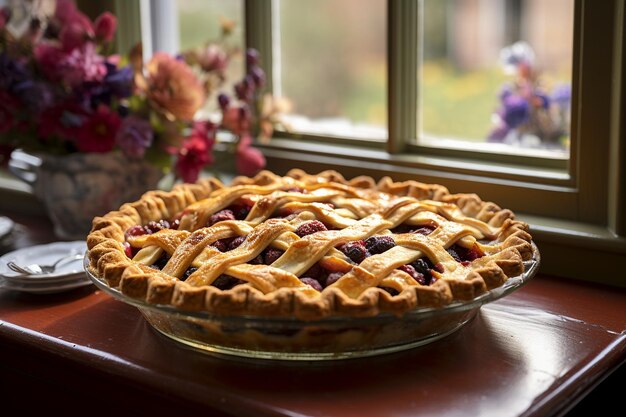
[309, 228]
[175, 224]
[271, 255]
[424, 267]
[409, 269]
[221, 216]
[256, 261]
[188, 272]
[220, 245]
[153, 227]
[240, 211]
[454, 254]
[333, 277]
[379, 244]
[422, 279]
[312, 282]
[314, 272]
[391, 291]
[225, 282]
[136, 230]
[128, 250]
[236, 242]
[160, 263]
[296, 190]
[356, 251]
[464, 255]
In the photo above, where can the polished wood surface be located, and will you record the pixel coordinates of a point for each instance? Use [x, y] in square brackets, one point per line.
[536, 352]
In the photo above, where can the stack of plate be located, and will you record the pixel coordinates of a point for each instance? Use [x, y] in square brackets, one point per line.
[6, 227]
[68, 275]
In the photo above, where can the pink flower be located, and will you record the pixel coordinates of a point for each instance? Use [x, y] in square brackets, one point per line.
[249, 160]
[5, 15]
[212, 58]
[73, 36]
[236, 119]
[99, 131]
[68, 14]
[74, 67]
[196, 152]
[47, 57]
[105, 26]
[173, 87]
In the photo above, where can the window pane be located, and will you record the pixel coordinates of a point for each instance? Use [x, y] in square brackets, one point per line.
[202, 23]
[497, 73]
[333, 66]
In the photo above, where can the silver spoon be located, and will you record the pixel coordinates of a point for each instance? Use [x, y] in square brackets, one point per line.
[37, 269]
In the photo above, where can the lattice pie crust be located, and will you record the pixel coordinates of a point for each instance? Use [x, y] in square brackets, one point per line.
[386, 247]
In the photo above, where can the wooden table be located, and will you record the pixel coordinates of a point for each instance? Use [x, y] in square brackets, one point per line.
[536, 352]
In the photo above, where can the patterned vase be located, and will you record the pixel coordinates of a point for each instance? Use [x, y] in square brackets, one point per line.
[78, 187]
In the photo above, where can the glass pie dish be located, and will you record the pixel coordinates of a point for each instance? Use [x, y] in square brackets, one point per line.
[327, 339]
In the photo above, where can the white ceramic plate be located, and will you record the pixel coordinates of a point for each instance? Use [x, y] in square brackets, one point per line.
[45, 254]
[41, 279]
[6, 227]
[46, 288]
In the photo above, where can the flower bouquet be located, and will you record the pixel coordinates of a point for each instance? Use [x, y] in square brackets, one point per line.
[66, 98]
[528, 114]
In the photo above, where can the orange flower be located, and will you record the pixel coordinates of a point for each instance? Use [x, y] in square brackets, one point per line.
[173, 87]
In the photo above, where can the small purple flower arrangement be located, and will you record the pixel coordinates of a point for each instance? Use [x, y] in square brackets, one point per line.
[528, 115]
[62, 91]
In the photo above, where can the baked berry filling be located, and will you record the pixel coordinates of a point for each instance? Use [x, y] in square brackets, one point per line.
[317, 277]
[379, 244]
[220, 216]
[160, 263]
[151, 227]
[240, 211]
[358, 250]
[464, 255]
[421, 270]
[226, 282]
[311, 227]
[391, 291]
[270, 255]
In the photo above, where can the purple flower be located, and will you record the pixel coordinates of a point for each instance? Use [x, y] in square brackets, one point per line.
[35, 95]
[515, 111]
[499, 133]
[134, 136]
[11, 73]
[562, 95]
[119, 81]
[505, 92]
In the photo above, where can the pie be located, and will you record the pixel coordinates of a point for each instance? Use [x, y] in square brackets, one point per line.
[307, 246]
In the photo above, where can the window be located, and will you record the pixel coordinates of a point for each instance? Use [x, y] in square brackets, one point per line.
[497, 75]
[575, 201]
[332, 66]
